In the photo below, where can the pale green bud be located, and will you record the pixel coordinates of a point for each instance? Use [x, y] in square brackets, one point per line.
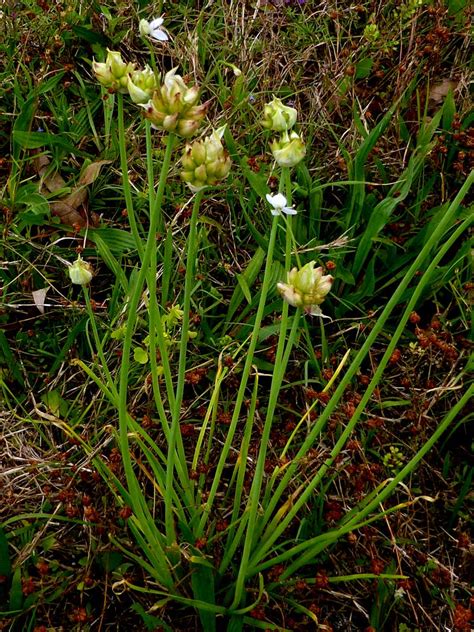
[187, 128]
[198, 152]
[141, 85]
[80, 272]
[205, 162]
[306, 288]
[289, 150]
[278, 117]
[116, 64]
[113, 74]
[173, 107]
[170, 121]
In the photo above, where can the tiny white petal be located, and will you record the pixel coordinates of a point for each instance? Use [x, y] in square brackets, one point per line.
[152, 29]
[289, 210]
[279, 201]
[156, 23]
[275, 212]
[159, 35]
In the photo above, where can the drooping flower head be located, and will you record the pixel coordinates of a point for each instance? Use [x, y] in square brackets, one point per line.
[278, 202]
[278, 117]
[307, 288]
[289, 150]
[113, 73]
[153, 30]
[174, 108]
[205, 162]
[80, 272]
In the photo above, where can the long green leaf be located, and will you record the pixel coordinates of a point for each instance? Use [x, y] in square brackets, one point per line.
[202, 581]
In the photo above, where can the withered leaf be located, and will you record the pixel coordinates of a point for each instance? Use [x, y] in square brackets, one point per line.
[440, 90]
[39, 297]
[91, 172]
[71, 208]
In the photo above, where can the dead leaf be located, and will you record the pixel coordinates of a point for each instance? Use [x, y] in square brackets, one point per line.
[91, 172]
[67, 209]
[39, 297]
[71, 208]
[440, 90]
[52, 182]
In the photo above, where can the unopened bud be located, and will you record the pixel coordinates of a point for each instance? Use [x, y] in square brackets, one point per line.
[141, 85]
[173, 107]
[205, 162]
[113, 74]
[289, 150]
[306, 288]
[278, 117]
[80, 272]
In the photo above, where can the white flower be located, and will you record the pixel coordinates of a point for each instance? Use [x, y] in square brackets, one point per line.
[153, 29]
[278, 202]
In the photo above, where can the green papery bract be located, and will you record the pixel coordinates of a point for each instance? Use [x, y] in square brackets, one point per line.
[138, 95]
[278, 117]
[173, 106]
[308, 276]
[116, 64]
[307, 287]
[289, 150]
[205, 162]
[113, 74]
[80, 272]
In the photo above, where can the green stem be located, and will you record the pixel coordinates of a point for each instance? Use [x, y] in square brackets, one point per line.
[140, 506]
[244, 379]
[98, 343]
[176, 411]
[155, 321]
[125, 179]
[108, 101]
[279, 524]
[252, 534]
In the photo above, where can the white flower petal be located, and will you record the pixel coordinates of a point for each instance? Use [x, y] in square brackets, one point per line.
[156, 23]
[275, 211]
[289, 210]
[159, 35]
[279, 201]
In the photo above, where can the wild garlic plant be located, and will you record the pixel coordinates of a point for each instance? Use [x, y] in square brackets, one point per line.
[174, 517]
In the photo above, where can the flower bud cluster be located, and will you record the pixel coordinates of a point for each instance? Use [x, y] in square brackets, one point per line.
[169, 104]
[278, 117]
[307, 287]
[205, 162]
[114, 73]
[141, 85]
[174, 108]
[289, 149]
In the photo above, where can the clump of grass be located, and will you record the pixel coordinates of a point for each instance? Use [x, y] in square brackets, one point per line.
[217, 447]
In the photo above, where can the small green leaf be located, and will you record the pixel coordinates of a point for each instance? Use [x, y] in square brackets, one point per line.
[16, 593]
[363, 68]
[244, 287]
[140, 355]
[5, 564]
